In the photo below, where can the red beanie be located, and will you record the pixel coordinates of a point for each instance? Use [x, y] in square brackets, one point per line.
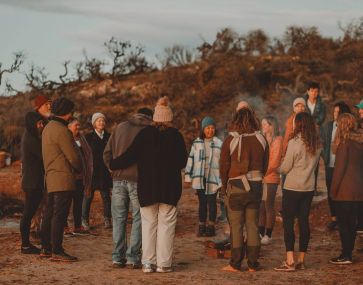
[39, 101]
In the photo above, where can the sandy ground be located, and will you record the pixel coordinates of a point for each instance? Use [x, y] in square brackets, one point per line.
[192, 262]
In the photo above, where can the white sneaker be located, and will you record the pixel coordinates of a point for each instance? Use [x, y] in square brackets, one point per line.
[148, 268]
[85, 225]
[266, 240]
[164, 269]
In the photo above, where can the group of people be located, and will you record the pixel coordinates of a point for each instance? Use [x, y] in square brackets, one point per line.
[142, 162]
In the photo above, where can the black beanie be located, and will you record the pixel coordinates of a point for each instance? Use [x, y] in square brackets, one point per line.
[62, 106]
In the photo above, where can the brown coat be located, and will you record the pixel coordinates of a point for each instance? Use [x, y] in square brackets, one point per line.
[60, 157]
[347, 184]
[253, 157]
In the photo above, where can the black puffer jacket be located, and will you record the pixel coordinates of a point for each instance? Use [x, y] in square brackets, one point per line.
[31, 155]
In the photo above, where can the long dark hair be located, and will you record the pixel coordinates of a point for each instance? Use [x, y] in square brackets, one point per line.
[306, 127]
[245, 121]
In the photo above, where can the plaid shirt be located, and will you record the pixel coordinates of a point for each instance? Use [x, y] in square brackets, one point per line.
[196, 165]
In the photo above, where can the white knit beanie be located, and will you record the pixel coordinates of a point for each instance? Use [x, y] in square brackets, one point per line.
[299, 100]
[163, 112]
[97, 116]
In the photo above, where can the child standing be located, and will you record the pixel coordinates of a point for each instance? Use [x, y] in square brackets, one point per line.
[202, 171]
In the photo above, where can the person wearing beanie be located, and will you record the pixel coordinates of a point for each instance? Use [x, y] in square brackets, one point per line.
[42, 105]
[202, 174]
[360, 209]
[124, 192]
[360, 113]
[299, 105]
[160, 154]
[61, 165]
[101, 178]
[32, 178]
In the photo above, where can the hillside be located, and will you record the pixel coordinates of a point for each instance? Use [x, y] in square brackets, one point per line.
[267, 73]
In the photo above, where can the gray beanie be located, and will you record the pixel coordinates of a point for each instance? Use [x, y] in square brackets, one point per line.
[97, 116]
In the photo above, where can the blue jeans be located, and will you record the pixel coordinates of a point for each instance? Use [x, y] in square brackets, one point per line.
[124, 193]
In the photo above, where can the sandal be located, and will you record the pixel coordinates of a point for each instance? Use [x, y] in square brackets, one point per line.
[285, 267]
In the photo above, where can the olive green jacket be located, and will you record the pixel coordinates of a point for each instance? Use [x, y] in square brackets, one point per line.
[60, 157]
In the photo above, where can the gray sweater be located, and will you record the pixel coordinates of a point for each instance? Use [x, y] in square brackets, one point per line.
[298, 165]
[121, 138]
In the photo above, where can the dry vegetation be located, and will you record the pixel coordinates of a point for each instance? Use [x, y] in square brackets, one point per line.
[209, 80]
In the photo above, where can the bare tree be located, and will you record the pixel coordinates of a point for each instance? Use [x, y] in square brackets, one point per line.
[126, 58]
[19, 58]
[177, 55]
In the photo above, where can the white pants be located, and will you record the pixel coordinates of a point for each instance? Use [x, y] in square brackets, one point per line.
[158, 223]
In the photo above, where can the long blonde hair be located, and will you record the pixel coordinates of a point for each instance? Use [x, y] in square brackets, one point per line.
[346, 124]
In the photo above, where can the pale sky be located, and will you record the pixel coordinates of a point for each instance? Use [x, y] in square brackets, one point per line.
[52, 31]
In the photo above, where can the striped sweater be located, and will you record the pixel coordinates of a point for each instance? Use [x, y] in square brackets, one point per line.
[198, 168]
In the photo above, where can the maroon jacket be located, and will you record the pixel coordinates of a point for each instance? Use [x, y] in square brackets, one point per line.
[347, 184]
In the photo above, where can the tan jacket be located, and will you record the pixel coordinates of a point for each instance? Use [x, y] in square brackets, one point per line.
[60, 157]
[299, 166]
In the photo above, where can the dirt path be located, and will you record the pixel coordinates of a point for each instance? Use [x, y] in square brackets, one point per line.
[192, 263]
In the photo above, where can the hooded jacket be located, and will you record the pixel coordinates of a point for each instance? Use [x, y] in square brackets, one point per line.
[347, 184]
[31, 155]
[120, 140]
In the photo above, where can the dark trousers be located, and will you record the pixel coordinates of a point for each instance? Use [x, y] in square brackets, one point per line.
[242, 211]
[296, 204]
[55, 217]
[106, 199]
[31, 204]
[207, 203]
[328, 179]
[347, 213]
[77, 204]
[360, 217]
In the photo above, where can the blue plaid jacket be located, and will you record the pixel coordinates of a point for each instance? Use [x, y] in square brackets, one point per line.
[195, 168]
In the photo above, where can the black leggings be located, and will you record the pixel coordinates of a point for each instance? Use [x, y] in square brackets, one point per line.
[31, 204]
[328, 179]
[347, 213]
[296, 204]
[207, 202]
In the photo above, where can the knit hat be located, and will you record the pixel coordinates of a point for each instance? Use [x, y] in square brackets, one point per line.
[360, 105]
[207, 121]
[97, 116]
[163, 112]
[62, 106]
[39, 101]
[242, 104]
[299, 100]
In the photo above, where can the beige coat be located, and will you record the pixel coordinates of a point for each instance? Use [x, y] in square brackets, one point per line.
[60, 157]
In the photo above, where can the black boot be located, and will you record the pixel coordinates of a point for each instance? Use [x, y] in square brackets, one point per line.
[201, 230]
[210, 231]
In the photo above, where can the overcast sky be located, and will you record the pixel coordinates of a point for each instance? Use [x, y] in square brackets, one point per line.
[51, 31]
